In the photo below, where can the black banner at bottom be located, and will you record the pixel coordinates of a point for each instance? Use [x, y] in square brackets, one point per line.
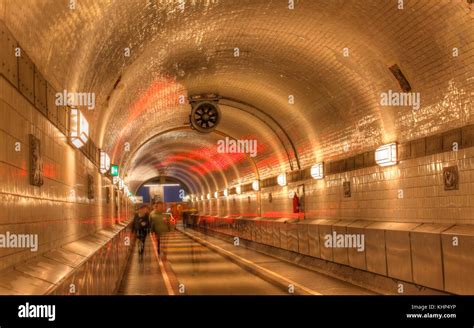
[109, 311]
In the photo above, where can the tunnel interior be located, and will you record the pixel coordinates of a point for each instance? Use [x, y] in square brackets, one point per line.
[353, 115]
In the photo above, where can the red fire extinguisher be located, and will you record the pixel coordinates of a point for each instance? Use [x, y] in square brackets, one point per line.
[296, 203]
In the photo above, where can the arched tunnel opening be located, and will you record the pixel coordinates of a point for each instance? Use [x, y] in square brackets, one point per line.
[162, 188]
[224, 147]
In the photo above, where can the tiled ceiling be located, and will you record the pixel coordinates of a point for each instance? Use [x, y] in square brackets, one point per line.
[283, 52]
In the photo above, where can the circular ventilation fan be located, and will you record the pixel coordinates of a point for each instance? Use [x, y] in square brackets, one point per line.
[205, 116]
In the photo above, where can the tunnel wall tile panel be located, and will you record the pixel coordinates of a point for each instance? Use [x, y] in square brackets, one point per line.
[457, 245]
[427, 257]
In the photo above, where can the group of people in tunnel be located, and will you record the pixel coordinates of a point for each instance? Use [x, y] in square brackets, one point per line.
[157, 221]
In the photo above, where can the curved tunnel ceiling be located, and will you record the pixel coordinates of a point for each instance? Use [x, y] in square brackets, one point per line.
[283, 53]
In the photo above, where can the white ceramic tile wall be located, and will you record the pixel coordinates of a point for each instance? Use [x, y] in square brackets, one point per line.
[52, 211]
[375, 194]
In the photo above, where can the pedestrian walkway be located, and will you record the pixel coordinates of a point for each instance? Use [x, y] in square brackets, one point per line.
[193, 263]
[199, 270]
[284, 273]
[143, 277]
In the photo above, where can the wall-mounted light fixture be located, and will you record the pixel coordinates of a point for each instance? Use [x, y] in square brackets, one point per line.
[386, 155]
[202, 197]
[226, 192]
[104, 162]
[79, 128]
[317, 171]
[238, 189]
[256, 185]
[208, 196]
[281, 179]
[216, 194]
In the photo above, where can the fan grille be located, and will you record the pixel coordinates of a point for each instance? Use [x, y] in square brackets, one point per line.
[205, 116]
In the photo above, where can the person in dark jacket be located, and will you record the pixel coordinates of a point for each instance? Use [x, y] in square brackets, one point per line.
[160, 222]
[141, 227]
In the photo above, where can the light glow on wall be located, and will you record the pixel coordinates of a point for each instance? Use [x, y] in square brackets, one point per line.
[281, 179]
[208, 196]
[386, 155]
[216, 194]
[226, 192]
[238, 189]
[79, 128]
[317, 171]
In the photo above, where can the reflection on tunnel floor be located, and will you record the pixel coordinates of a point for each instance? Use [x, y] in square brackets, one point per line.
[203, 272]
[190, 268]
[313, 282]
[143, 277]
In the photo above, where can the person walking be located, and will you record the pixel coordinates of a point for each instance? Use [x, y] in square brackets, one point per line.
[141, 227]
[174, 216]
[159, 223]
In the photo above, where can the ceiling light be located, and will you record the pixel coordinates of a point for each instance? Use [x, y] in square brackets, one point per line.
[162, 184]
